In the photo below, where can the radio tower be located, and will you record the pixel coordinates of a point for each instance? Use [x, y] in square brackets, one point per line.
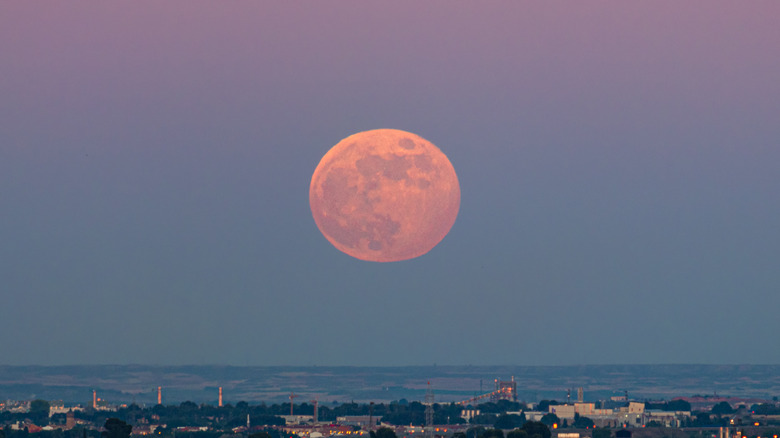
[429, 412]
[370, 417]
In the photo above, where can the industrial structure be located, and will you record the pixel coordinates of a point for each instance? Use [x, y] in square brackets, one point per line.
[292, 396]
[429, 412]
[504, 390]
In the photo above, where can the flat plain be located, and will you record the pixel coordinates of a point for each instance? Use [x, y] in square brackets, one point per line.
[138, 383]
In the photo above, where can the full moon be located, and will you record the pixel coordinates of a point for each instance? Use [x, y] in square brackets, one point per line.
[384, 195]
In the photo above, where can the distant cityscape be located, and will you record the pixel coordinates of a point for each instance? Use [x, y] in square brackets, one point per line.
[489, 415]
[439, 407]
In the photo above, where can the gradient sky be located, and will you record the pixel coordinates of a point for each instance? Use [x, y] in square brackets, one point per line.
[618, 161]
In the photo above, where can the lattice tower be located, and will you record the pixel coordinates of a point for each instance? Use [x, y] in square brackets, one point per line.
[429, 412]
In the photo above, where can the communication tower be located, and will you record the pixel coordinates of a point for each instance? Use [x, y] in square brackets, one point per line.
[429, 412]
[370, 417]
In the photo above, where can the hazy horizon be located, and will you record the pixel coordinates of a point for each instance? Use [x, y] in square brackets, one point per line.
[293, 365]
[451, 383]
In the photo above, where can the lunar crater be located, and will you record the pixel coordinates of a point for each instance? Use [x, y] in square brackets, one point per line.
[406, 143]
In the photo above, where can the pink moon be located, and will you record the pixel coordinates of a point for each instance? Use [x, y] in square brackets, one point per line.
[384, 195]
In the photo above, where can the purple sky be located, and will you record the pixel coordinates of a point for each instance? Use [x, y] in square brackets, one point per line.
[618, 161]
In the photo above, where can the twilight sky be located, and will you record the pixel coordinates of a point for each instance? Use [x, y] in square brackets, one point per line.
[618, 162]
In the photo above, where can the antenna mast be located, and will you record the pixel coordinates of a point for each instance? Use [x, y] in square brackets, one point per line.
[429, 412]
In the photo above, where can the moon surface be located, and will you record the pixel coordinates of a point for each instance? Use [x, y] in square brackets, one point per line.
[384, 195]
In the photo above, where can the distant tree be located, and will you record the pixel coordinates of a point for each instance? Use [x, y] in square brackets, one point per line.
[701, 419]
[601, 432]
[582, 422]
[536, 429]
[678, 405]
[396, 414]
[130, 413]
[188, 406]
[484, 419]
[544, 405]
[474, 432]
[499, 407]
[765, 409]
[58, 419]
[454, 435]
[508, 406]
[383, 432]
[39, 412]
[116, 428]
[448, 414]
[260, 435]
[38, 406]
[492, 433]
[517, 433]
[654, 423]
[550, 419]
[671, 406]
[722, 408]
[508, 422]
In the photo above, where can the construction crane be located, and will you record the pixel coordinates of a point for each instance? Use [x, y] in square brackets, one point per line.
[314, 417]
[292, 396]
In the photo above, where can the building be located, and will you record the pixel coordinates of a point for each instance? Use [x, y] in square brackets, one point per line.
[297, 419]
[468, 414]
[564, 412]
[362, 421]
